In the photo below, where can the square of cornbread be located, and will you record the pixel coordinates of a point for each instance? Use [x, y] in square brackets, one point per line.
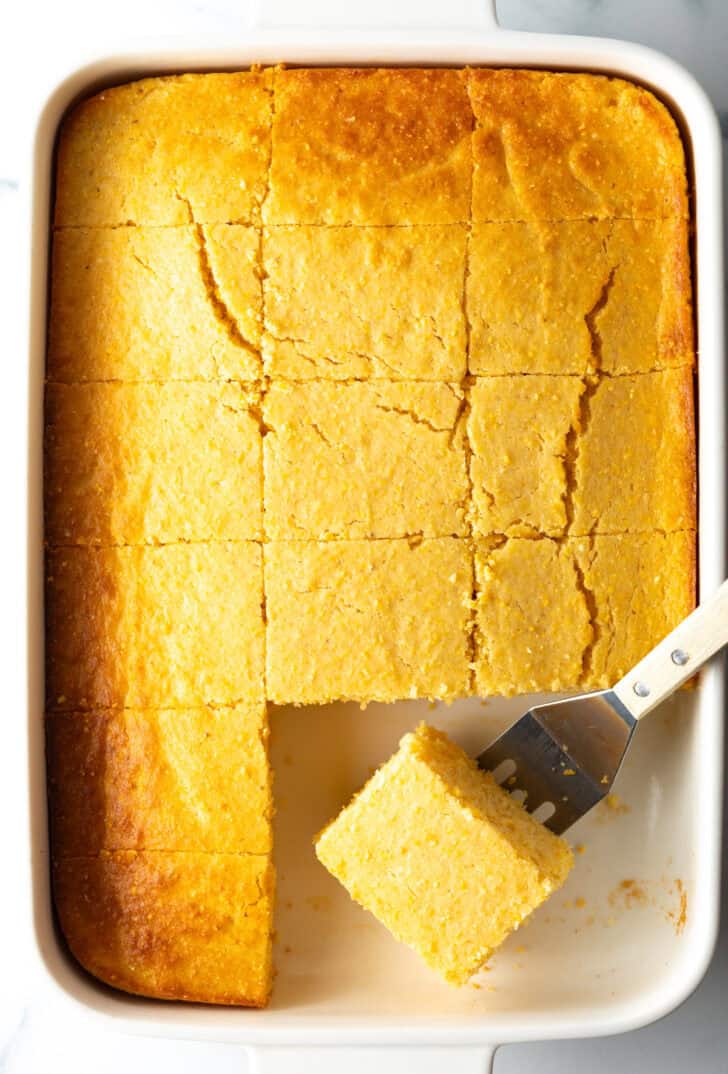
[115, 474]
[137, 627]
[184, 926]
[519, 429]
[640, 587]
[356, 460]
[579, 295]
[159, 779]
[557, 146]
[533, 623]
[442, 856]
[635, 467]
[367, 620]
[180, 303]
[370, 146]
[345, 302]
[167, 151]
[557, 615]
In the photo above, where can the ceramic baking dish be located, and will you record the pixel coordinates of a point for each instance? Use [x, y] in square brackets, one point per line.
[632, 933]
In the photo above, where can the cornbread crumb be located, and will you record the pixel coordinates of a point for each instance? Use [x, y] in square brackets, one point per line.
[448, 861]
[363, 460]
[343, 302]
[390, 619]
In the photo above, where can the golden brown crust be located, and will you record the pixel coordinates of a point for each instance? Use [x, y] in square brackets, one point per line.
[357, 147]
[159, 779]
[135, 627]
[175, 926]
[115, 474]
[553, 146]
[167, 151]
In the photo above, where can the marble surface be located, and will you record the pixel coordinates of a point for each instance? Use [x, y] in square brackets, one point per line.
[42, 39]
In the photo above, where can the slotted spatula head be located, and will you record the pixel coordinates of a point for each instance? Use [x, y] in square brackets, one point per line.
[566, 753]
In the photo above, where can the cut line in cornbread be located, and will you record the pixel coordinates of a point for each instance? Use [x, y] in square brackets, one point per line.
[361, 460]
[132, 627]
[192, 780]
[557, 146]
[115, 473]
[579, 296]
[167, 151]
[343, 302]
[367, 620]
[178, 303]
[179, 926]
[356, 146]
[557, 615]
[442, 856]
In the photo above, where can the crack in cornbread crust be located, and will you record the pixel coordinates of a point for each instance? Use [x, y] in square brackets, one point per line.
[232, 309]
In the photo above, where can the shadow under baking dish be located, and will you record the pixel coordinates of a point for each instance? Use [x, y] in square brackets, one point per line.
[623, 913]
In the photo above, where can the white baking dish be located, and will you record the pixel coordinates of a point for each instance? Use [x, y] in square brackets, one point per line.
[344, 982]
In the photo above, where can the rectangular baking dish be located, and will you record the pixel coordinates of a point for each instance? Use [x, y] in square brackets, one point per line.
[634, 931]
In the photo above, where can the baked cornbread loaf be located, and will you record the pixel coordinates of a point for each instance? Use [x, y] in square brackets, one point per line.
[444, 857]
[361, 384]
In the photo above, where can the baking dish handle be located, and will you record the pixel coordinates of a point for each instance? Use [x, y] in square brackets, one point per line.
[374, 14]
[372, 1060]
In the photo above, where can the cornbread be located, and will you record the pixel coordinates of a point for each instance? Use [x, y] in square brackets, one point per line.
[346, 302]
[167, 151]
[133, 627]
[361, 384]
[177, 303]
[193, 779]
[391, 620]
[115, 473]
[576, 296]
[552, 146]
[601, 605]
[642, 586]
[635, 469]
[519, 431]
[370, 147]
[171, 925]
[364, 460]
[444, 857]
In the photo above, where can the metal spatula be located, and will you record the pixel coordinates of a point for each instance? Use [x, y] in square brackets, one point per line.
[566, 754]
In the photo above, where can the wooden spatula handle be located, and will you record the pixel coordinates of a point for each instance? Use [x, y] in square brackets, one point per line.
[677, 657]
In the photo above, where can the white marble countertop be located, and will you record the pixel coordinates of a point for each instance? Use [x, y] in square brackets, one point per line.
[41, 40]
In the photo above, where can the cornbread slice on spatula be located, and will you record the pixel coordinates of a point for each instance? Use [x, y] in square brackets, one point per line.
[444, 857]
